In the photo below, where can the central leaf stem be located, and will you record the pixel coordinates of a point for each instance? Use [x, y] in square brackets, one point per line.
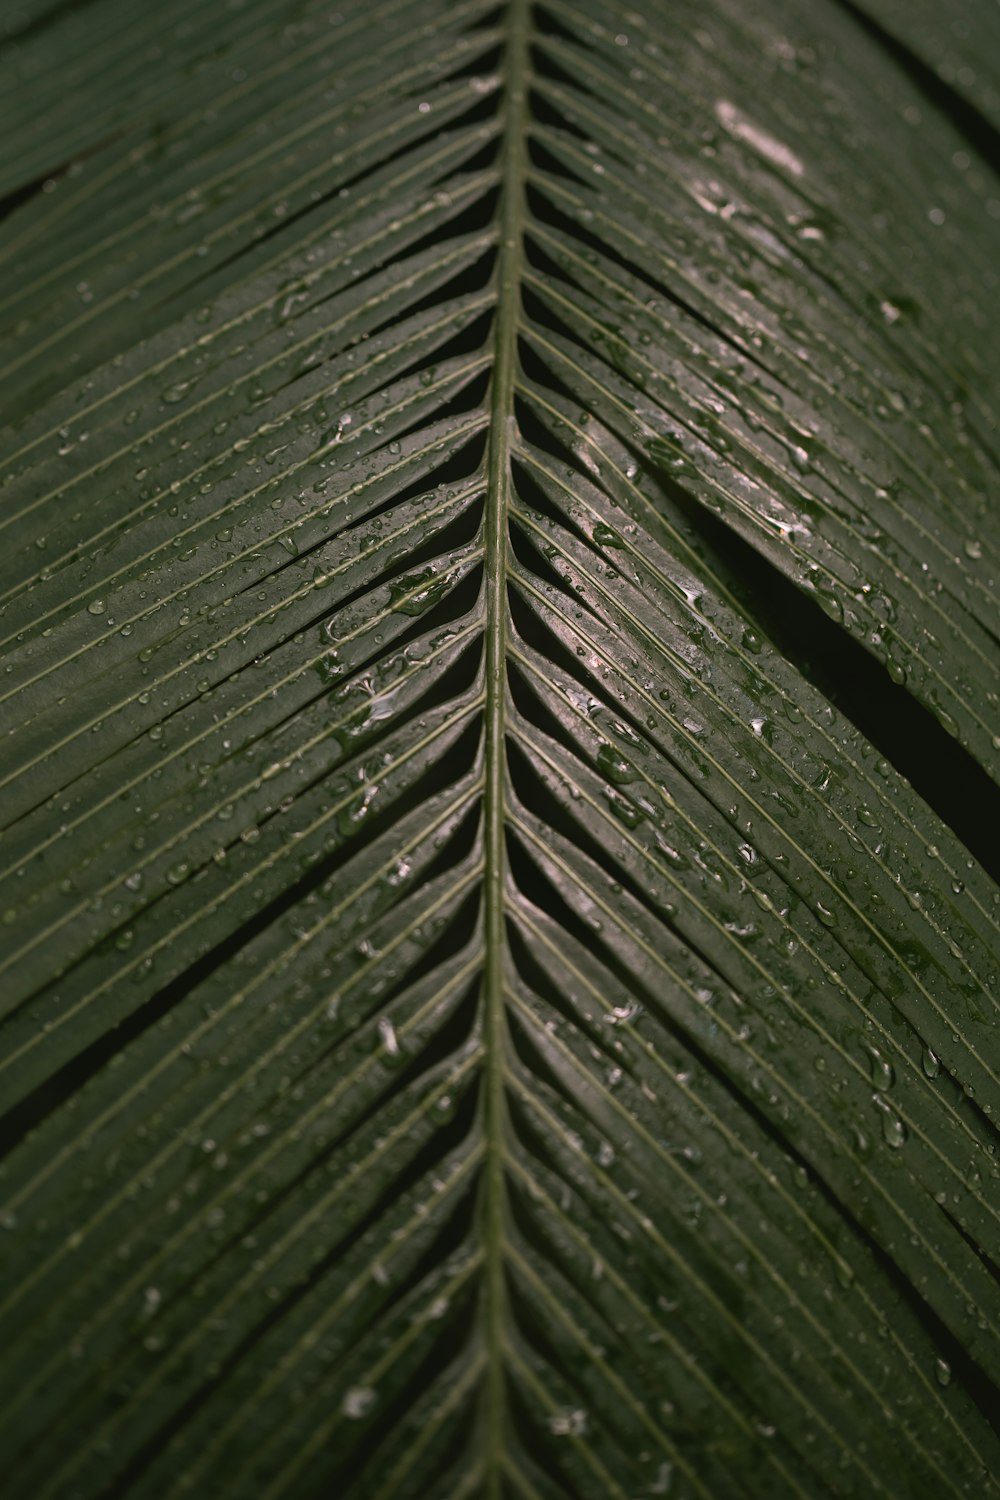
[497, 544]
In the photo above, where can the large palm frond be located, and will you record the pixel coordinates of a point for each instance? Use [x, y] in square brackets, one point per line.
[498, 507]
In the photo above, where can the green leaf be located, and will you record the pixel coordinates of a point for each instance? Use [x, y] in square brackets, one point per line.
[499, 581]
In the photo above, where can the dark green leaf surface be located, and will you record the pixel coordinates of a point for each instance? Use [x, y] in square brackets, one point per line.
[483, 1011]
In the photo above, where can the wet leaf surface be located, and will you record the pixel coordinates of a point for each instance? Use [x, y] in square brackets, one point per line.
[499, 633]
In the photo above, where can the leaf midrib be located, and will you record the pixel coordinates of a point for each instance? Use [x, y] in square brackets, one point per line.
[493, 1207]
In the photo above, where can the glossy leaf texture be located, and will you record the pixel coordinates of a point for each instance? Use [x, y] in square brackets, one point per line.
[499, 583]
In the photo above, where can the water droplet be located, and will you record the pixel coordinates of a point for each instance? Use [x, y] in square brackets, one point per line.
[350, 816]
[621, 1014]
[844, 1273]
[357, 1402]
[387, 1032]
[893, 1129]
[661, 1484]
[882, 1074]
[606, 536]
[177, 391]
[569, 1422]
[931, 1063]
[942, 1371]
[613, 766]
[417, 592]
[623, 808]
